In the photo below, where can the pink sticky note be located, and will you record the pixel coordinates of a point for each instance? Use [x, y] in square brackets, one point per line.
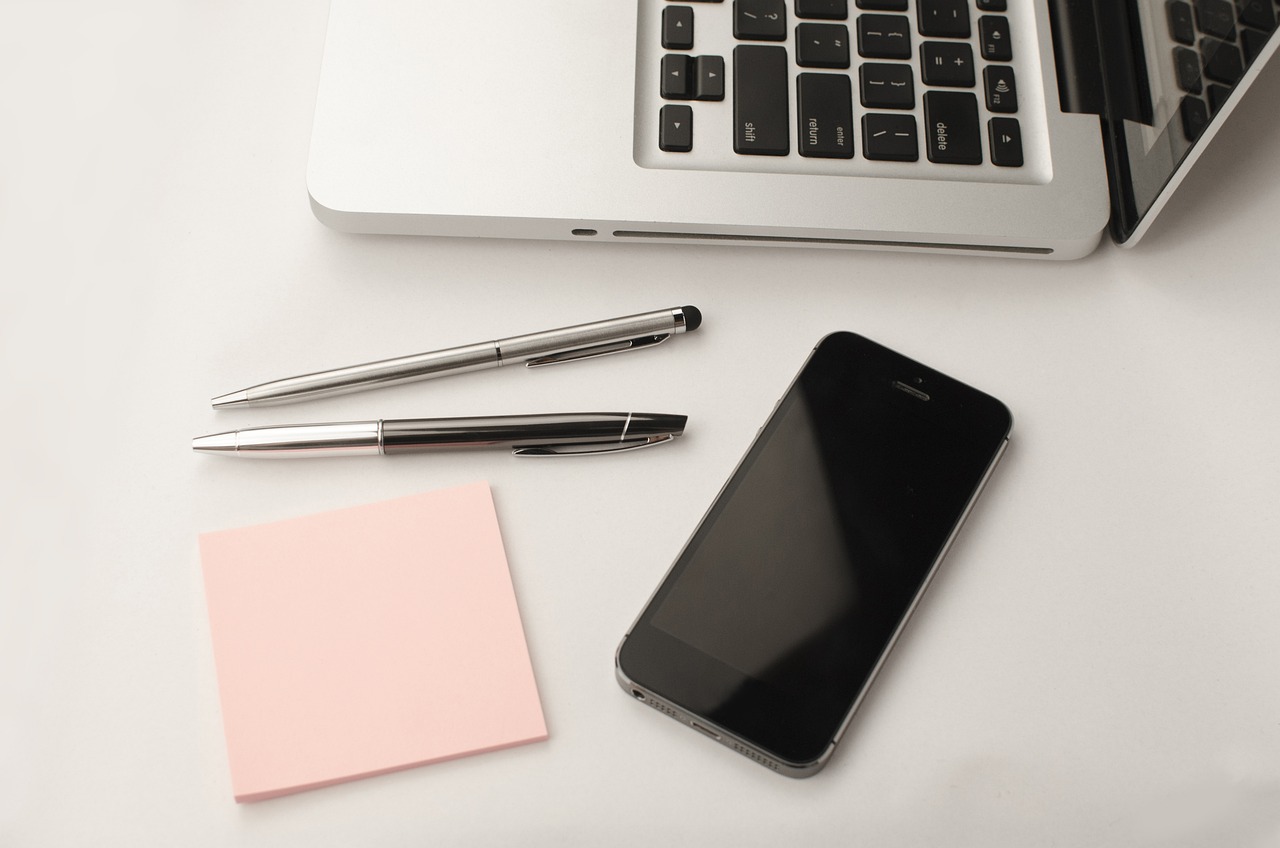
[366, 640]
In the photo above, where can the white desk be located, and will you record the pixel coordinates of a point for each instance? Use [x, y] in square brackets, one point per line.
[1097, 663]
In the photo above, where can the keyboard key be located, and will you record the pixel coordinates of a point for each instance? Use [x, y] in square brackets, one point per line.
[953, 134]
[883, 5]
[1222, 62]
[1257, 13]
[1217, 95]
[675, 128]
[708, 75]
[1216, 18]
[1006, 142]
[1195, 117]
[827, 10]
[884, 86]
[677, 81]
[890, 137]
[993, 38]
[948, 63]
[991, 5]
[1252, 42]
[760, 119]
[824, 105]
[1186, 64]
[1001, 88]
[822, 46]
[1182, 28]
[759, 20]
[943, 18]
[677, 28]
[884, 37]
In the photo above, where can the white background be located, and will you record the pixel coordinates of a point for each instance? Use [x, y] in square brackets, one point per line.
[1096, 664]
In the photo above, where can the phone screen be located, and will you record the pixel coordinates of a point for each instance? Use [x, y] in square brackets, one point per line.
[778, 611]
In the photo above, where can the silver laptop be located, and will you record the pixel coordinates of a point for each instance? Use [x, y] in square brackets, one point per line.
[1007, 127]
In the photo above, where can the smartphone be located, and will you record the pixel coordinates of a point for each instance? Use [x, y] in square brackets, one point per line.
[767, 631]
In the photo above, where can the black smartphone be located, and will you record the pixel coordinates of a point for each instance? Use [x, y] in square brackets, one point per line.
[776, 616]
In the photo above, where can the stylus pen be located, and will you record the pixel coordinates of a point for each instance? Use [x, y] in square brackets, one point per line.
[565, 434]
[634, 332]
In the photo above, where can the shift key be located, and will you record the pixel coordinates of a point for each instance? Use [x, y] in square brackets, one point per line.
[760, 118]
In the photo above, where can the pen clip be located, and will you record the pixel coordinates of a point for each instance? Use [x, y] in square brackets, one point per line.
[591, 351]
[592, 448]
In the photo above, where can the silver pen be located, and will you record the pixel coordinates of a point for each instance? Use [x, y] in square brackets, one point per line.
[568, 344]
[564, 434]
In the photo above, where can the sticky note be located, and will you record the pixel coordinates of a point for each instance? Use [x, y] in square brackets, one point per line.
[366, 640]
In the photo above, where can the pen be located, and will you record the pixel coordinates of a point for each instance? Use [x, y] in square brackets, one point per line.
[568, 344]
[527, 435]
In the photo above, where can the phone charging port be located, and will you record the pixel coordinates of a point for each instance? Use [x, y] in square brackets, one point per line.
[705, 731]
[639, 695]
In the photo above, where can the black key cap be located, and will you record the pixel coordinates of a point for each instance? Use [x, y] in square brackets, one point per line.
[824, 105]
[1195, 117]
[708, 75]
[953, 134]
[1001, 88]
[1216, 18]
[883, 86]
[948, 63]
[677, 80]
[822, 46]
[993, 38]
[1257, 13]
[826, 10]
[1222, 62]
[1006, 142]
[991, 5]
[677, 28]
[1182, 28]
[1218, 95]
[884, 37]
[944, 18]
[1252, 42]
[675, 128]
[760, 20]
[883, 5]
[891, 137]
[760, 119]
[1186, 64]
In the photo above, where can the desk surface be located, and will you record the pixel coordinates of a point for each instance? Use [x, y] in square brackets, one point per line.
[1095, 664]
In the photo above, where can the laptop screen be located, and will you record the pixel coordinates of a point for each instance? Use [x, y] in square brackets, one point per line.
[1188, 59]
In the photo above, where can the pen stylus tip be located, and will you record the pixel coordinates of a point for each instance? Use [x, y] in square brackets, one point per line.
[692, 318]
[230, 399]
[215, 442]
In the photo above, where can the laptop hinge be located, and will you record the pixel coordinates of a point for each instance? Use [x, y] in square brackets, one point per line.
[1101, 65]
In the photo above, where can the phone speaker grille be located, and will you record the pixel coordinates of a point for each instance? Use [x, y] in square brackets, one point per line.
[663, 708]
[752, 755]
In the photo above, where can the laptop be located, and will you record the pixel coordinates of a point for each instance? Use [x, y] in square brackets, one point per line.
[998, 127]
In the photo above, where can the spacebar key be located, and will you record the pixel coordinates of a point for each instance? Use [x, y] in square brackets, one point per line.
[761, 124]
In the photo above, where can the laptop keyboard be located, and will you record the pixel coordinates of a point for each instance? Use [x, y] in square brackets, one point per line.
[927, 88]
[1215, 41]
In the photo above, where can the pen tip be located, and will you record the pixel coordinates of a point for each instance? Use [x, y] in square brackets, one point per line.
[692, 318]
[215, 443]
[230, 399]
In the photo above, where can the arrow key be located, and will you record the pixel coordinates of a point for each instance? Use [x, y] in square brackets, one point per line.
[677, 82]
[677, 27]
[708, 73]
[675, 128]
[1006, 142]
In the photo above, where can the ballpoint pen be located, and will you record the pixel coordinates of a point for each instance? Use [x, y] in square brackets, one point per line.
[568, 344]
[527, 435]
